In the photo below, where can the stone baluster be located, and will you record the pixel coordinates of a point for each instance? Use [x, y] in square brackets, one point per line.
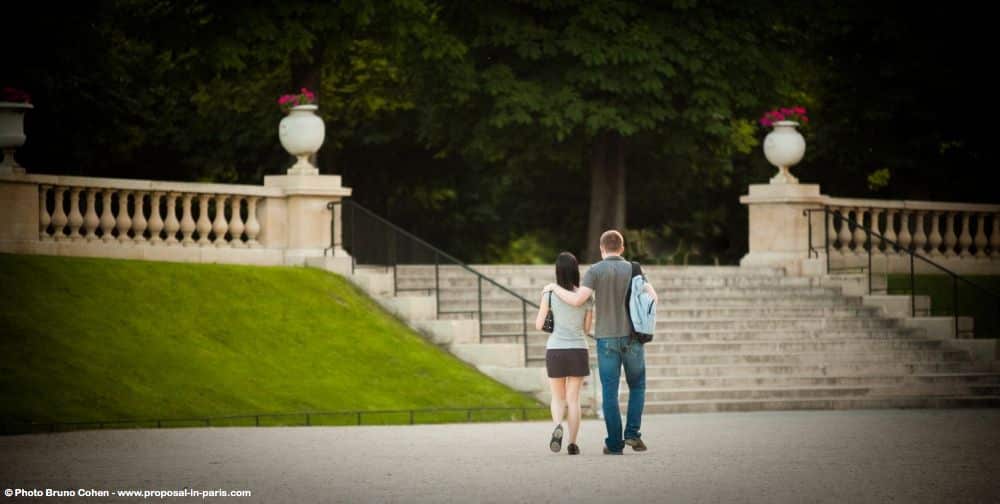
[904, 231]
[845, 231]
[44, 218]
[890, 231]
[75, 217]
[219, 226]
[831, 232]
[59, 218]
[965, 240]
[236, 223]
[172, 225]
[860, 235]
[139, 222]
[995, 238]
[107, 218]
[877, 233]
[155, 221]
[90, 219]
[935, 239]
[981, 236]
[253, 227]
[124, 221]
[949, 235]
[204, 224]
[919, 238]
[187, 222]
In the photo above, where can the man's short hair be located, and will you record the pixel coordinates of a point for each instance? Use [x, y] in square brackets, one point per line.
[612, 241]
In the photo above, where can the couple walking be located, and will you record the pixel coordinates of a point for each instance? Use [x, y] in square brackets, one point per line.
[574, 304]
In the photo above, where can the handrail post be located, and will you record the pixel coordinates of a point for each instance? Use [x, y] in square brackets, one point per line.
[354, 243]
[809, 223]
[868, 233]
[437, 285]
[826, 236]
[524, 329]
[913, 290]
[954, 301]
[480, 310]
[392, 250]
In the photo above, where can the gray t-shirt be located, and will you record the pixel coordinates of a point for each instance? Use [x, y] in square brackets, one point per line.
[568, 324]
[609, 279]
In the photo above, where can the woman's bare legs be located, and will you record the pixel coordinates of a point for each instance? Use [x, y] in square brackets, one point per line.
[558, 403]
[573, 385]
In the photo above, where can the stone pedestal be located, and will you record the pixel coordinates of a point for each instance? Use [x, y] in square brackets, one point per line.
[779, 227]
[19, 207]
[300, 224]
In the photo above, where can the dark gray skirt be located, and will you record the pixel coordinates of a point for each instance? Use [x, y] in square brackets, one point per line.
[561, 363]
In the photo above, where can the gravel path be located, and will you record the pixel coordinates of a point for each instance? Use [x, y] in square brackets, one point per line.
[854, 456]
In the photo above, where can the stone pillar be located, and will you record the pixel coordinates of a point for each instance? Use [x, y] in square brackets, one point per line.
[779, 230]
[19, 213]
[301, 218]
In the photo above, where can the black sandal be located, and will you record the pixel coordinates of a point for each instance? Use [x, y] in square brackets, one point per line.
[573, 449]
[556, 443]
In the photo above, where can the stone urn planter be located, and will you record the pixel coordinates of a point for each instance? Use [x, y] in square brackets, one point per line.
[12, 133]
[301, 133]
[784, 148]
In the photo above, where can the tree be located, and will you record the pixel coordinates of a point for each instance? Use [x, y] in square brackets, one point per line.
[579, 83]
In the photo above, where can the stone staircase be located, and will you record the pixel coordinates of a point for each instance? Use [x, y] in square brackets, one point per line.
[732, 339]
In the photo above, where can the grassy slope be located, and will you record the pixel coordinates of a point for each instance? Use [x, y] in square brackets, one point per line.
[97, 339]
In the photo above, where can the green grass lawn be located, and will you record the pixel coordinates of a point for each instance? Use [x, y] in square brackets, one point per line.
[971, 301]
[91, 339]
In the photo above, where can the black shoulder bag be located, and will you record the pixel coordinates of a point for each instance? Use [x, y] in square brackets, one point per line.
[550, 323]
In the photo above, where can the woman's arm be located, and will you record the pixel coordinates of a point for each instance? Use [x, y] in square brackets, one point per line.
[543, 308]
[588, 321]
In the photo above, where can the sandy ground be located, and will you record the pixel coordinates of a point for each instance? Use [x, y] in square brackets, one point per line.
[933, 456]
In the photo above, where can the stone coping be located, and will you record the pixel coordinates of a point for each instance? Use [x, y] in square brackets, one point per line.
[275, 186]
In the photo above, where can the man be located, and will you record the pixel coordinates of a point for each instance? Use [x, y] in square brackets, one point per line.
[607, 281]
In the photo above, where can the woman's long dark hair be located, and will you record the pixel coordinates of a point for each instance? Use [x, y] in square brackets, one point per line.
[567, 271]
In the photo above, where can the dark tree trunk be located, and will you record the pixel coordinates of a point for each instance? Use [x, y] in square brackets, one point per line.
[607, 190]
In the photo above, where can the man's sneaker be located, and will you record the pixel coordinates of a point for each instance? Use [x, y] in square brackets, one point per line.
[636, 444]
[556, 443]
[573, 449]
[609, 452]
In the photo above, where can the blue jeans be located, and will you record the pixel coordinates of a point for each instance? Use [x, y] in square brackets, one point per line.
[612, 355]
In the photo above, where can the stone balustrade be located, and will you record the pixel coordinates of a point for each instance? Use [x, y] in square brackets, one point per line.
[959, 236]
[284, 221]
[962, 237]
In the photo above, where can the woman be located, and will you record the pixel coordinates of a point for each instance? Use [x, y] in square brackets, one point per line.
[566, 358]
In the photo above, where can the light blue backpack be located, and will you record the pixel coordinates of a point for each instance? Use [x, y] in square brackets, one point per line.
[641, 308]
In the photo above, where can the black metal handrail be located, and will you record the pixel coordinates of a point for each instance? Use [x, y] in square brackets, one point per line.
[394, 236]
[910, 250]
[9, 427]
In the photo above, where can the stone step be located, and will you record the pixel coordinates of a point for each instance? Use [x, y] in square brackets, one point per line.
[777, 324]
[900, 368]
[511, 303]
[517, 270]
[807, 358]
[743, 312]
[807, 392]
[966, 401]
[533, 294]
[741, 347]
[674, 383]
[762, 312]
[708, 336]
[470, 281]
[808, 300]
